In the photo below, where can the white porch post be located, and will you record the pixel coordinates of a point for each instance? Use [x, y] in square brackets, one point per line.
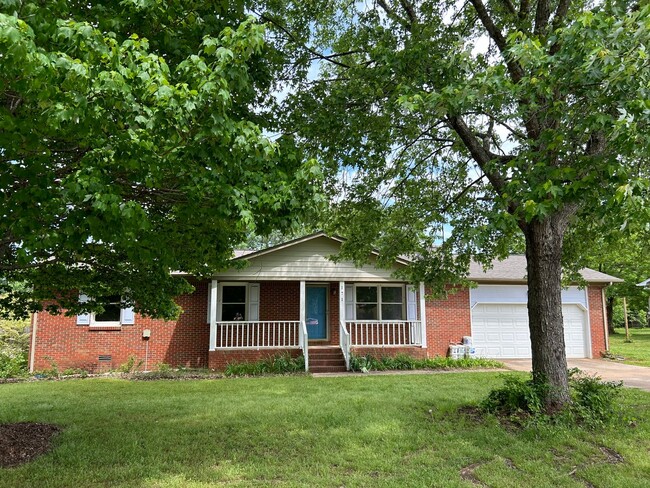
[423, 315]
[342, 316]
[303, 300]
[212, 290]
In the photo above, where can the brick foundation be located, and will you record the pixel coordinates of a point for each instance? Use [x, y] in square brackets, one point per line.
[218, 360]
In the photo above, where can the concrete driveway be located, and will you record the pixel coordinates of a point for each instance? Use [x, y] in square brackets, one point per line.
[632, 376]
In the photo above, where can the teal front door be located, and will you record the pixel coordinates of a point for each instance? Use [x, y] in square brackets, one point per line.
[317, 312]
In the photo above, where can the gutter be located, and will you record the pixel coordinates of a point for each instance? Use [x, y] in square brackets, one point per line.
[32, 351]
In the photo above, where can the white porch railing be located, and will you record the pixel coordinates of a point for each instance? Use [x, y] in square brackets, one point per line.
[304, 343]
[385, 333]
[344, 341]
[258, 335]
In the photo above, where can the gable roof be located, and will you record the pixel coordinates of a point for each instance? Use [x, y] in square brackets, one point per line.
[240, 254]
[513, 269]
[510, 270]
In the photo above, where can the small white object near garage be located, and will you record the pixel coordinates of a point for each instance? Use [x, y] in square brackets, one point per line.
[500, 321]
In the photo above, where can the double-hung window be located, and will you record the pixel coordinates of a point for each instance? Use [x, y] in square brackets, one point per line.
[233, 303]
[379, 302]
[115, 314]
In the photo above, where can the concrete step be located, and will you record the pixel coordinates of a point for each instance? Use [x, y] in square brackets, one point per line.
[326, 356]
[327, 369]
[326, 362]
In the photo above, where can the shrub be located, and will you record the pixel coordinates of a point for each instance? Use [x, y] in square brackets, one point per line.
[405, 362]
[131, 365]
[13, 366]
[517, 395]
[278, 364]
[593, 401]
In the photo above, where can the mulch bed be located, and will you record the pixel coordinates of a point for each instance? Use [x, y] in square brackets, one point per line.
[24, 441]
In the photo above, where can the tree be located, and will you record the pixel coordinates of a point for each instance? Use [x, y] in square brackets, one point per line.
[624, 256]
[132, 145]
[500, 118]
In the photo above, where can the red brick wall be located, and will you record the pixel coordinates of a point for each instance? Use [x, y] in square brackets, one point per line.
[280, 300]
[180, 343]
[448, 320]
[220, 359]
[597, 321]
[379, 352]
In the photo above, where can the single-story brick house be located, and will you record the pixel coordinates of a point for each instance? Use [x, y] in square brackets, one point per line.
[293, 298]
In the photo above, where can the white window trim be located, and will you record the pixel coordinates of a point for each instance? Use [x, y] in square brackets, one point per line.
[92, 322]
[220, 302]
[379, 302]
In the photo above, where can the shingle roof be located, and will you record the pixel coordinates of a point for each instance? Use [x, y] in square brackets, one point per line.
[513, 269]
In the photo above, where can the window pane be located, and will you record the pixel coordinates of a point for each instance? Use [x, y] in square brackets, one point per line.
[391, 294]
[233, 311]
[367, 294]
[366, 311]
[234, 294]
[391, 312]
[111, 313]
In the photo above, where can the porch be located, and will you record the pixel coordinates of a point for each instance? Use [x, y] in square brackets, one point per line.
[250, 319]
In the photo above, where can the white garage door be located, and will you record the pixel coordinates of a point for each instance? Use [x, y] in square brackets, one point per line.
[501, 331]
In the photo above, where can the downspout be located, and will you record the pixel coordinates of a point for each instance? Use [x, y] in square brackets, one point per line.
[32, 351]
[602, 294]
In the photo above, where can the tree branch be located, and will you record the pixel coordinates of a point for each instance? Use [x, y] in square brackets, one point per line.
[391, 14]
[515, 70]
[325, 57]
[460, 195]
[509, 6]
[542, 14]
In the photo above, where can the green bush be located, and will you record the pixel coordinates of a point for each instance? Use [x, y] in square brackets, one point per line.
[13, 366]
[405, 362]
[278, 364]
[131, 365]
[593, 401]
[517, 395]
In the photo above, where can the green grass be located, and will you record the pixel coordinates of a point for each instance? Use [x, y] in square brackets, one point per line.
[370, 431]
[635, 352]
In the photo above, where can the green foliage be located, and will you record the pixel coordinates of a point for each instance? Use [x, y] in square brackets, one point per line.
[51, 372]
[594, 403]
[163, 367]
[517, 395]
[14, 337]
[428, 131]
[133, 144]
[277, 364]
[131, 365]
[405, 362]
[13, 366]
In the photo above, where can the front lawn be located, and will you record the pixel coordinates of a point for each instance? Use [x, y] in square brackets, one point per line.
[369, 431]
[635, 352]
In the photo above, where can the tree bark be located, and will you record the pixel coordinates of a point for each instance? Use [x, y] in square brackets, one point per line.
[544, 241]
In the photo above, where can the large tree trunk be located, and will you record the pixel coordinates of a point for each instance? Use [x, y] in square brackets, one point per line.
[543, 255]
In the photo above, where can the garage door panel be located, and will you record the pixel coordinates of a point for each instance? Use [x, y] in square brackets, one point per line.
[501, 331]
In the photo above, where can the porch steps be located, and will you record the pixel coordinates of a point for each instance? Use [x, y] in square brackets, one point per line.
[326, 359]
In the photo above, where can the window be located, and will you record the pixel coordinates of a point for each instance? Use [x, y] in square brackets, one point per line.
[114, 314]
[379, 302]
[233, 304]
[392, 303]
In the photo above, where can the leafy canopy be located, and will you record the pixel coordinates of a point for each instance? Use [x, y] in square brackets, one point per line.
[492, 117]
[132, 144]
